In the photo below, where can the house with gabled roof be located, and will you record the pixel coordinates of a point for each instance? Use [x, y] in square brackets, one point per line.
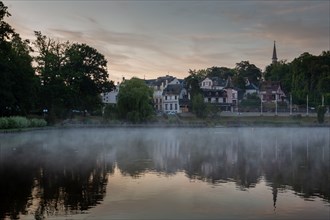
[220, 93]
[171, 96]
[158, 86]
[213, 83]
[271, 91]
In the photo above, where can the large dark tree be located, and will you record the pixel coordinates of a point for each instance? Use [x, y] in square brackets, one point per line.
[280, 71]
[85, 71]
[72, 76]
[50, 58]
[310, 75]
[17, 79]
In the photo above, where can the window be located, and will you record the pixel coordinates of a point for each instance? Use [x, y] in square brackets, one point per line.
[170, 106]
[175, 106]
[165, 106]
[174, 97]
[166, 97]
[224, 100]
[217, 99]
[209, 99]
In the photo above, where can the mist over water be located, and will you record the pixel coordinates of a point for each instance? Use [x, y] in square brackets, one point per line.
[276, 173]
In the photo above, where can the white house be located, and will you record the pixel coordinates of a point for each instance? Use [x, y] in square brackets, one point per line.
[172, 93]
[110, 97]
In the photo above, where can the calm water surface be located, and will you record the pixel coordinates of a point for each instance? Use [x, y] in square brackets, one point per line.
[209, 173]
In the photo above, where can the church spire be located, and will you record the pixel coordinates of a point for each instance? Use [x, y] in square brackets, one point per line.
[274, 59]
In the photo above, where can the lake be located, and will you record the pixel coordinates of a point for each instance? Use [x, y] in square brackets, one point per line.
[166, 173]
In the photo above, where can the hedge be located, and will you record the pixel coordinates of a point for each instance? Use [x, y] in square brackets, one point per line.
[20, 122]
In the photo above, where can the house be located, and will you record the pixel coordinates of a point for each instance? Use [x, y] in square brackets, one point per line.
[271, 91]
[172, 94]
[220, 92]
[250, 88]
[213, 83]
[110, 97]
[158, 86]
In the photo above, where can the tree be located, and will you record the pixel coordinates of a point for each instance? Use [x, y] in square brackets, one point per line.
[250, 71]
[85, 73]
[53, 91]
[280, 72]
[321, 110]
[72, 76]
[222, 72]
[135, 100]
[193, 81]
[17, 79]
[199, 106]
[309, 76]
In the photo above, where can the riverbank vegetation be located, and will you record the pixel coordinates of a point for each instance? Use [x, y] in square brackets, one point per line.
[15, 122]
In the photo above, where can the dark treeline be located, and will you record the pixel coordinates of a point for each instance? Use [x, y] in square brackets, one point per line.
[59, 78]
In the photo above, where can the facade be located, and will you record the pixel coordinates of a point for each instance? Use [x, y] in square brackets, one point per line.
[213, 83]
[271, 91]
[158, 85]
[110, 97]
[250, 88]
[220, 92]
[171, 96]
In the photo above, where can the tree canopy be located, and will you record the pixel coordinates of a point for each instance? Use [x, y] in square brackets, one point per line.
[18, 83]
[135, 100]
[72, 75]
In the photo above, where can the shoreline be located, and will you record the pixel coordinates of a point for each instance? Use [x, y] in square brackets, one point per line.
[231, 124]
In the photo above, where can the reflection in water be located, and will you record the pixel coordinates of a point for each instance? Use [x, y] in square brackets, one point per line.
[53, 173]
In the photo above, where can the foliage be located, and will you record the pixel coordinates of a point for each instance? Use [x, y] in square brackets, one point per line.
[252, 102]
[110, 112]
[310, 75]
[20, 122]
[280, 71]
[17, 96]
[135, 100]
[199, 106]
[250, 71]
[3, 123]
[36, 122]
[72, 76]
[321, 110]
[193, 81]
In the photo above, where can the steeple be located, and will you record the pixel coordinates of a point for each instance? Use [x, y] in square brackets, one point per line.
[274, 59]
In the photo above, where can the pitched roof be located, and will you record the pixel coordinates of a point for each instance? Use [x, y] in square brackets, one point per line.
[172, 89]
[251, 86]
[270, 85]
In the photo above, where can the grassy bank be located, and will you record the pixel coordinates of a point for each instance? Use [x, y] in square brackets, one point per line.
[191, 120]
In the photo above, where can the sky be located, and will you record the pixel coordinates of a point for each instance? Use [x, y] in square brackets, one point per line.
[153, 38]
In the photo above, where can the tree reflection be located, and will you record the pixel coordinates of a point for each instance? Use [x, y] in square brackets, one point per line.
[36, 179]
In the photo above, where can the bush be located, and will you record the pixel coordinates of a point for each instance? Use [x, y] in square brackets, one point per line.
[34, 122]
[3, 123]
[20, 122]
[321, 110]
